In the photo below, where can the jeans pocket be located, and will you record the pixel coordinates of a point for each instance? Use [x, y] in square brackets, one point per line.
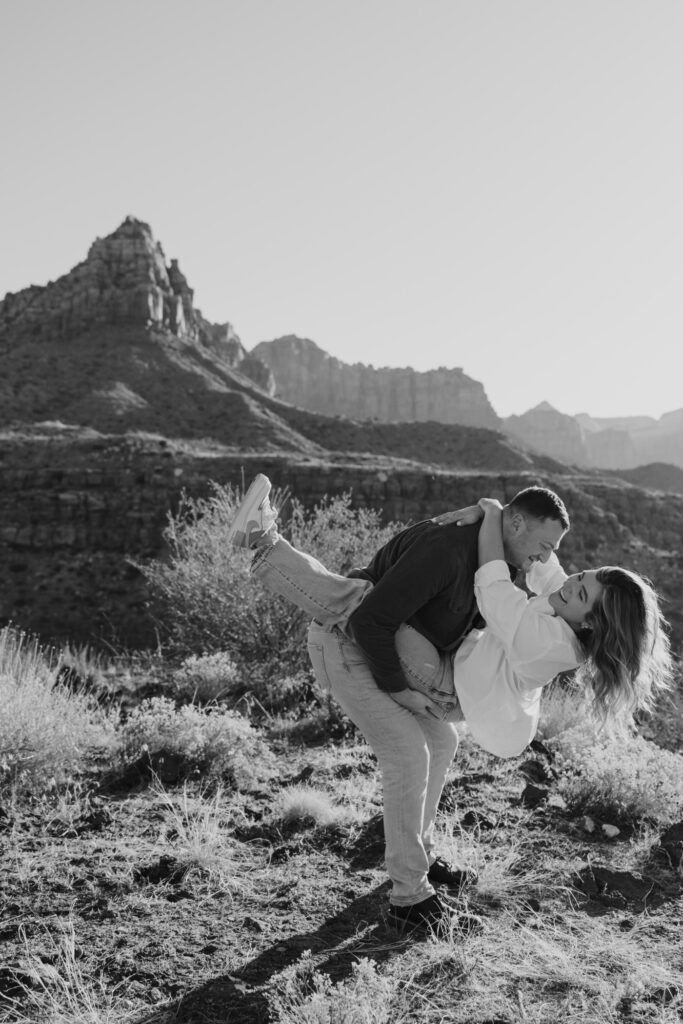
[350, 654]
[316, 653]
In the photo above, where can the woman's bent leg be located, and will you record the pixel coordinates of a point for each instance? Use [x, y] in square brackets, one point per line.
[398, 740]
[326, 596]
[428, 670]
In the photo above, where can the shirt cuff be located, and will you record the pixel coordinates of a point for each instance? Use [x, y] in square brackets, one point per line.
[492, 572]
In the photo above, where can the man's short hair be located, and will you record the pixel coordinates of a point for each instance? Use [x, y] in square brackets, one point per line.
[540, 503]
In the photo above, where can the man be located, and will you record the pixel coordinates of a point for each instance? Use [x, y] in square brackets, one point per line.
[423, 576]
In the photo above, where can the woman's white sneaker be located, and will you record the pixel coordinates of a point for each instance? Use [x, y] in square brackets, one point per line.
[255, 517]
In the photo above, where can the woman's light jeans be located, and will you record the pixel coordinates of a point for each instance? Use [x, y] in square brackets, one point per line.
[414, 752]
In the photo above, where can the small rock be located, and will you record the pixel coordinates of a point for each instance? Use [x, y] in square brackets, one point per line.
[616, 889]
[535, 771]
[533, 796]
[611, 831]
[179, 894]
[473, 819]
[664, 995]
[253, 924]
[304, 775]
[671, 844]
[540, 748]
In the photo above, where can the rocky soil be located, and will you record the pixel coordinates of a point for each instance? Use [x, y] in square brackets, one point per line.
[108, 897]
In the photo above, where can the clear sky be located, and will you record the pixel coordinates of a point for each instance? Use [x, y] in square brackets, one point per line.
[491, 184]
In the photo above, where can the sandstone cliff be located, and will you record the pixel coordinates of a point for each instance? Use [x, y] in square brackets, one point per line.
[312, 379]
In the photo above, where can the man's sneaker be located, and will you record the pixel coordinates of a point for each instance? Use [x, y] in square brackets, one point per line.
[431, 915]
[254, 517]
[443, 873]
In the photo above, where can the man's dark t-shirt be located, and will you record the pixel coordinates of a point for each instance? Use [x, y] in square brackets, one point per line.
[423, 576]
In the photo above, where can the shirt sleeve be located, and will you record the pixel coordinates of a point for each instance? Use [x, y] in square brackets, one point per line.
[524, 626]
[546, 577]
[433, 562]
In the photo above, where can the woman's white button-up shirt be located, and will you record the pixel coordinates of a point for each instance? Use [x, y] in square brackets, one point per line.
[499, 671]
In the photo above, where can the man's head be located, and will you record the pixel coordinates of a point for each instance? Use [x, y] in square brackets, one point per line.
[534, 523]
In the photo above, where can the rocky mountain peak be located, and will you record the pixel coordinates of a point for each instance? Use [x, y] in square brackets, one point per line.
[124, 281]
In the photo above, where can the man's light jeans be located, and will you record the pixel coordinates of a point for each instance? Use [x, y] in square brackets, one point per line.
[414, 752]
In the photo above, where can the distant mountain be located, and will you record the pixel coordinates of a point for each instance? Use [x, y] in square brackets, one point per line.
[545, 429]
[606, 443]
[312, 379]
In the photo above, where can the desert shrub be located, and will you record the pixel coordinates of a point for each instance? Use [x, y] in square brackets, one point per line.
[217, 742]
[339, 535]
[307, 803]
[302, 995]
[47, 732]
[626, 779]
[664, 724]
[206, 600]
[206, 677]
[563, 704]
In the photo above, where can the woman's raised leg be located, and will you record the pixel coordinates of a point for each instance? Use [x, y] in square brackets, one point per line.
[326, 596]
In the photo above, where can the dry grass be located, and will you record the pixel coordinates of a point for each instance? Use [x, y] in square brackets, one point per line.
[306, 803]
[201, 829]
[46, 732]
[61, 992]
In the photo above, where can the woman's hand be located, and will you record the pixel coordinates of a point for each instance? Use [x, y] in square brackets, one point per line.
[491, 505]
[462, 516]
[470, 514]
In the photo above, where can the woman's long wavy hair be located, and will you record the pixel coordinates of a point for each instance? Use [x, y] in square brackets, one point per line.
[626, 645]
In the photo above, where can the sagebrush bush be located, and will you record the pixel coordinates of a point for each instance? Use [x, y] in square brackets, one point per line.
[206, 677]
[302, 995]
[216, 742]
[207, 601]
[47, 732]
[624, 779]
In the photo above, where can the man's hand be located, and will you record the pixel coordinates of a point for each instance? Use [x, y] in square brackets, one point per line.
[421, 704]
[462, 516]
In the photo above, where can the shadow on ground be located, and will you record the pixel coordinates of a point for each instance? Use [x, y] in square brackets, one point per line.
[240, 997]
